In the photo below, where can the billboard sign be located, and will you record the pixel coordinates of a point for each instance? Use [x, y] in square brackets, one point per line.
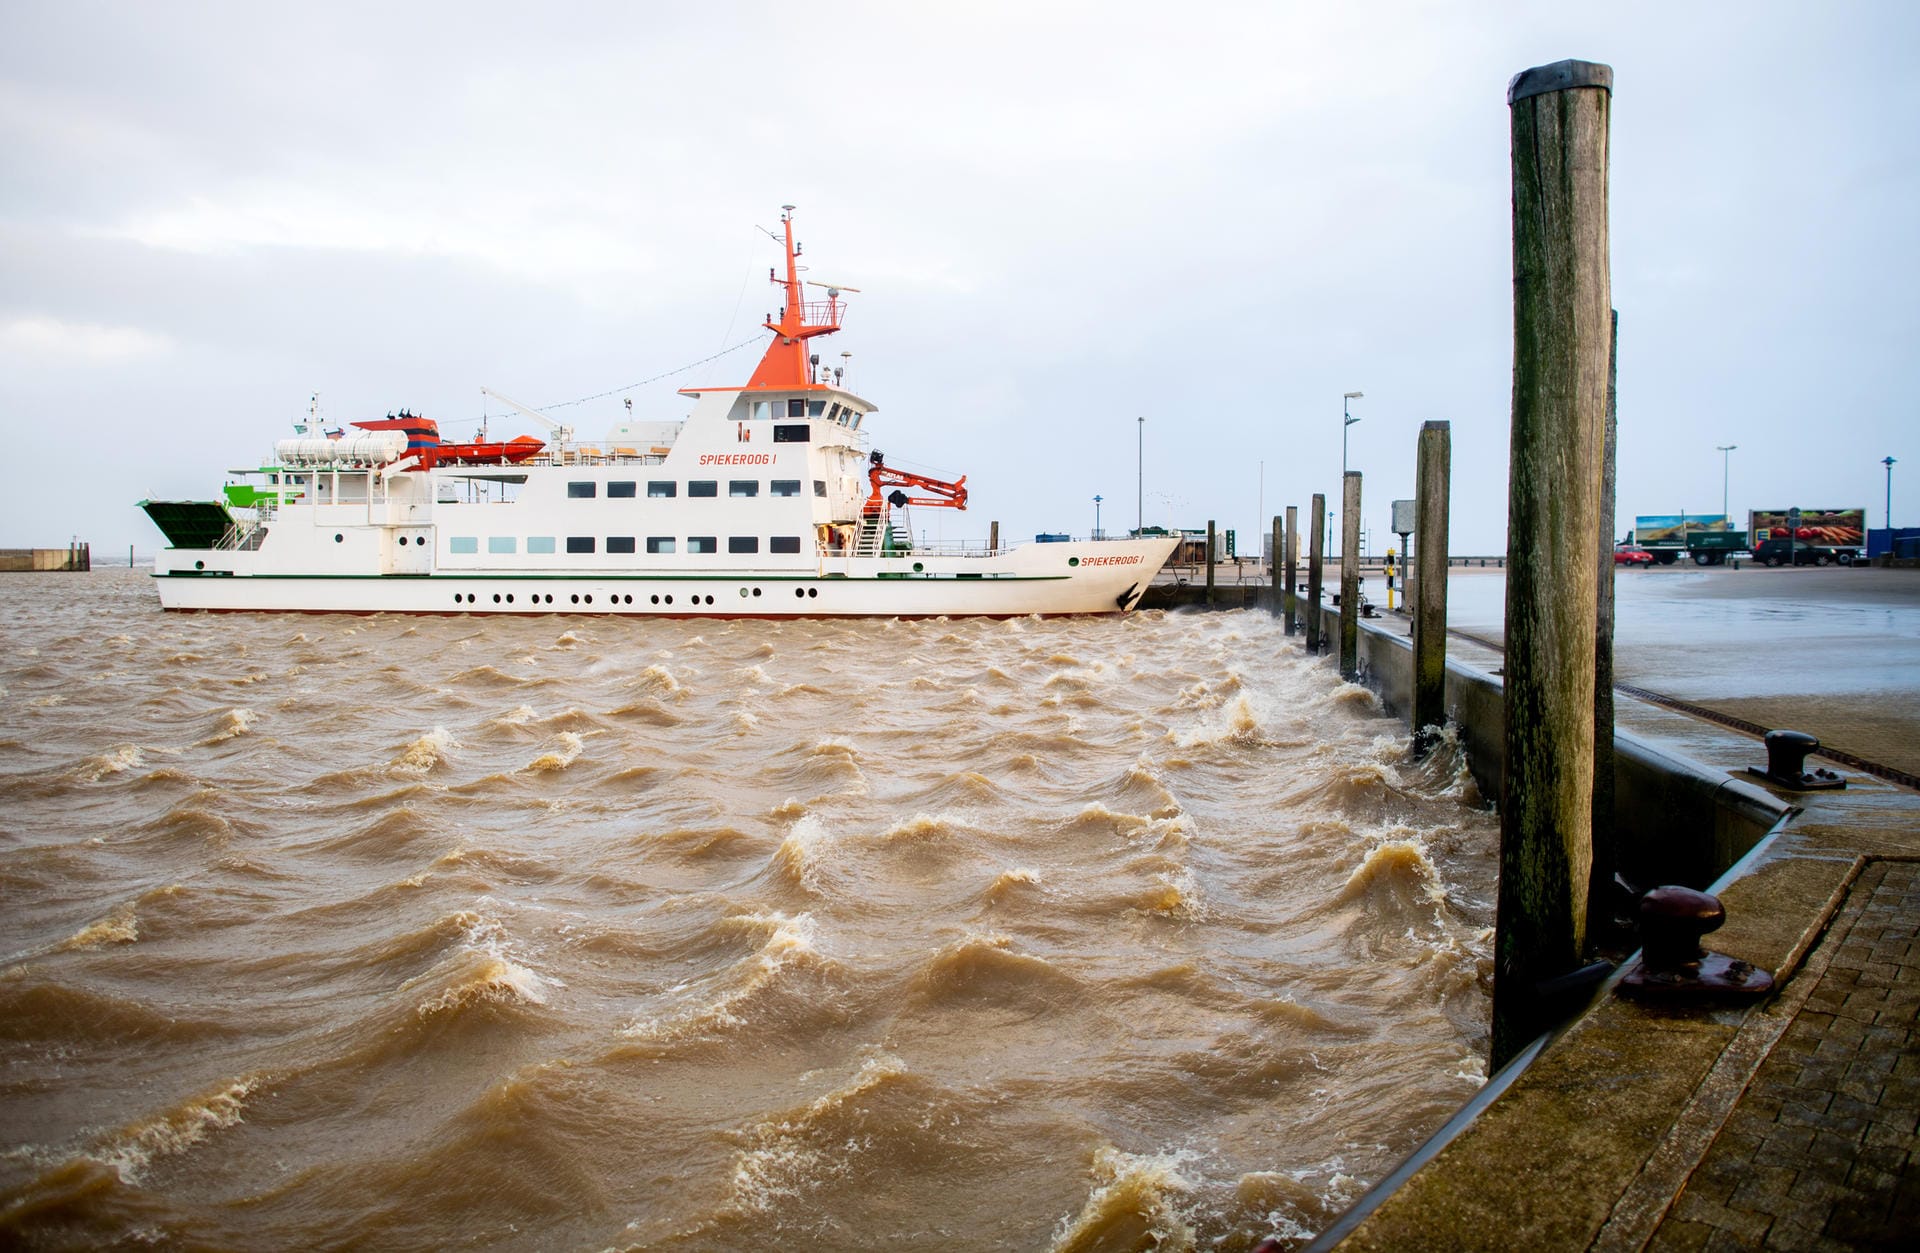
[1838, 527]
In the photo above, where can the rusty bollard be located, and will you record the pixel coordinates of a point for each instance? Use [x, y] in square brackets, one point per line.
[1787, 763]
[1672, 961]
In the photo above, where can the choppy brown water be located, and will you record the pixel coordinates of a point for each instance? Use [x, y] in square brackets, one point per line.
[581, 933]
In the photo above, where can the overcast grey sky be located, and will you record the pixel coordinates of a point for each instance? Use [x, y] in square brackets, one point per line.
[1061, 216]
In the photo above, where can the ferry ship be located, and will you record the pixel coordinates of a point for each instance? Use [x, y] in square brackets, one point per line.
[765, 501]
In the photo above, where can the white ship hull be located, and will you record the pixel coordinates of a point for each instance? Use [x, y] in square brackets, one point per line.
[1044, 579]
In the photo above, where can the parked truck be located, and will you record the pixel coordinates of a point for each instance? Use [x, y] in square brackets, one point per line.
[1706, 539]
[1807, 537]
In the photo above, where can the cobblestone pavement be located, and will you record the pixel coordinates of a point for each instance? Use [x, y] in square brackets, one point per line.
[1820, 1151]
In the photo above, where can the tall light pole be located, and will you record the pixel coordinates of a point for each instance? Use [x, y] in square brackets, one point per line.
[1726, 462]
[1096, 515]
[1889, 462]
[1139, 486]
[1347, 420]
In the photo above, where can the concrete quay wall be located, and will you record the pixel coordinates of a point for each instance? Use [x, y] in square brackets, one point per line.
[74, 557]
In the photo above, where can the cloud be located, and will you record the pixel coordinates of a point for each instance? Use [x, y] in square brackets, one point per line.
[51, 342]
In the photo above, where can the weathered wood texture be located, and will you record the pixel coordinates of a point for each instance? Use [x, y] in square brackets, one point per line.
[1316, 557]
[1350, 576]
[1293, 563]
[1212, 557]
[1562, 302]
[1606, 841]
[1274, 569]
[1433, 478]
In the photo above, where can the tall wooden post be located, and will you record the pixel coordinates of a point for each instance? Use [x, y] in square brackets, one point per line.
[1316, 555]
[1433, 476]
[1273, 567]
[993, 537]
[1209, 563]
[1561, 301]
[1606, 842]
[1350, 575]
[1293, 561]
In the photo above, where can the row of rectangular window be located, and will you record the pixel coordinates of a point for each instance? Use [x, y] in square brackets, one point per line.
[845, 415]
[468, 545]
[627, 490]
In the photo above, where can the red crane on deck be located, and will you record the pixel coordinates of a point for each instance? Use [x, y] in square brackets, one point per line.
[944, 495]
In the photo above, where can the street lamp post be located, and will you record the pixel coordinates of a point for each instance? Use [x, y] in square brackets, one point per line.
[1139, 485]
[1347, 420]
[1726, 463]
[1889, 463]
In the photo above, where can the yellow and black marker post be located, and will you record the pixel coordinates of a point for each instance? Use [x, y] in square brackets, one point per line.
[1390, 569]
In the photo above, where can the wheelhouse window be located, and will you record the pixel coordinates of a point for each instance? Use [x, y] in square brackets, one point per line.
[819, 487]
[784, 487]
[702, 544]
[621, 491]
[783, 544]
[743, 487]
[743, 543]
[703, 487]
[657, 489]
[579, 543]
[537, 544]
[762, 410]
[657, 544]
[619, 543]
[463, 544]
[581, 491]
[796, 408]
[502, 544]
[790, 434]
[816, 408]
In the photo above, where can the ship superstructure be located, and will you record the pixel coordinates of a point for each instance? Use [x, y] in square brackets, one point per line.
[766, 500]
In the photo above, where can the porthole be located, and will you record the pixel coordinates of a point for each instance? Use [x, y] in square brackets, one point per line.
[918, 568]
[656, 598]
[338, 538]
[199, 565]
[669, 598]
[576, 598]
[589, 598]
[496, 598]
[813, 591]
[456, 598]
[743, 593]
[756, 591]
[800, 592]
[403, 541]
[709, 600]
[469, 598]
[629, 600]
[1073, 561]
[509, 598]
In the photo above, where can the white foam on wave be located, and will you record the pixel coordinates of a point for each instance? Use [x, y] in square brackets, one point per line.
[497, 976]
[132, 1150]
[786, 1157]
[566, 746]
[118, 927]
[1238, 721]
[786, 939]
[804, 850]
[233, 723]
[119, 758]
[659, 679]
[425, 753]
[1132, 1188]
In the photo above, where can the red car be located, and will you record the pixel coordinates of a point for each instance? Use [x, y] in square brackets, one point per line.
[1631, 555]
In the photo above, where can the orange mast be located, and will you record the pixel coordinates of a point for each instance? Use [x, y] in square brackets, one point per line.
[785, 364]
